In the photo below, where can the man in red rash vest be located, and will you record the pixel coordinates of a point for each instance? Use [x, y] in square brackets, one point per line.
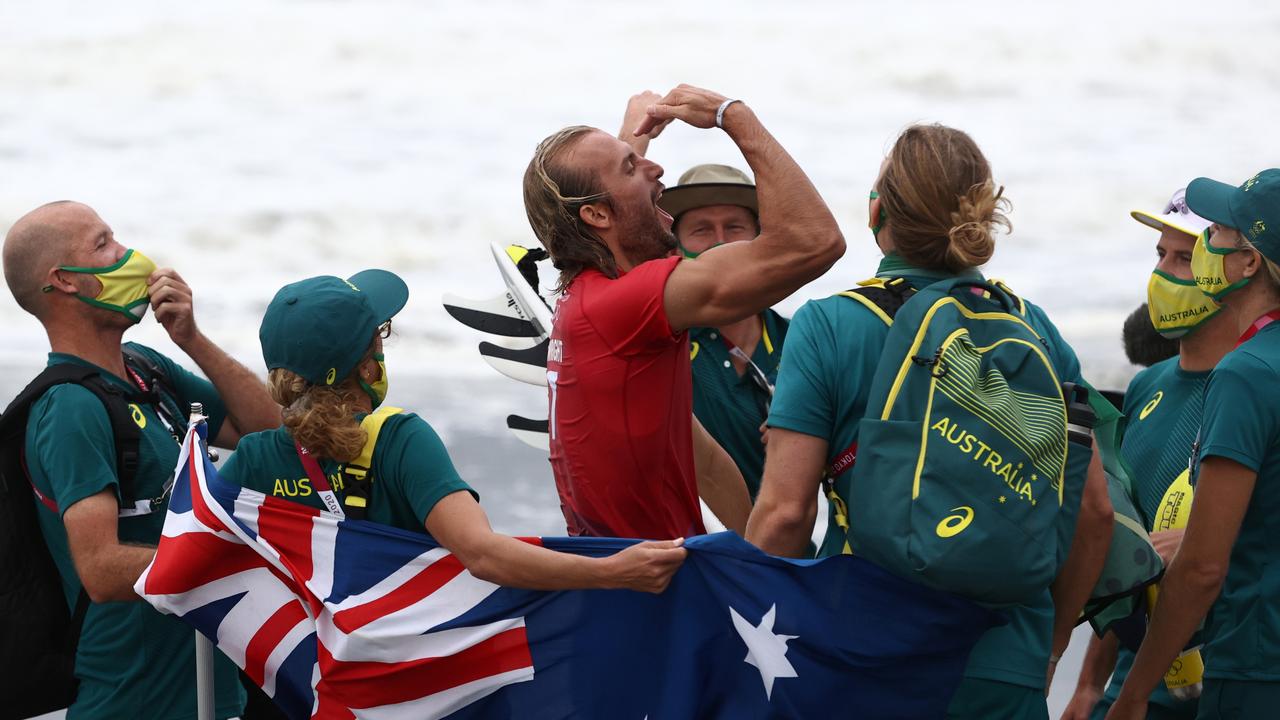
[628, 458]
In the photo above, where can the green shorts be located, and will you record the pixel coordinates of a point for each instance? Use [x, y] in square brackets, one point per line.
[984, 699]
[1239, 700]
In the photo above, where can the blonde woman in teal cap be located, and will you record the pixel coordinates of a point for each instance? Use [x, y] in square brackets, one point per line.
[340, 449]
[1226, 562]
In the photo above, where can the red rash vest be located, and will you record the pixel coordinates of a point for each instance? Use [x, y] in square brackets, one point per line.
[621, 401]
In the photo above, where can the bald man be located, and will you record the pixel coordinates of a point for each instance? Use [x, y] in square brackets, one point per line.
[101, 517]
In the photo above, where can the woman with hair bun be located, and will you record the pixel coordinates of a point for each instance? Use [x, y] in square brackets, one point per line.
[933, 213]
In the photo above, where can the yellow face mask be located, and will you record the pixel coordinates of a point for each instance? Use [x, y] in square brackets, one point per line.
[377, 391]
[1209, 269]
[1177, 306]
[124, 284]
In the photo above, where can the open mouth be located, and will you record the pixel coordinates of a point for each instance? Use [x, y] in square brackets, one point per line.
[663, 215]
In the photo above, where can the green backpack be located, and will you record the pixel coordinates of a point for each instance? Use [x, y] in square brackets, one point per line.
[961, 454]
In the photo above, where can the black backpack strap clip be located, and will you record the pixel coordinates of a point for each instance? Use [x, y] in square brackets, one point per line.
[883, 297]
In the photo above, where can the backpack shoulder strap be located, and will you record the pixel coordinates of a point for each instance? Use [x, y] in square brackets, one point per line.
[359, 478]
[114, 401]
[882, 297]
[1017, 301]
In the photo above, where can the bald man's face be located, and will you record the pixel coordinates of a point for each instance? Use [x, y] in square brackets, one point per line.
[89, 243]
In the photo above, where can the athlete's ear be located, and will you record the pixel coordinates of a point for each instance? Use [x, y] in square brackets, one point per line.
[596, 215]
[1252, 263]
[57, 280]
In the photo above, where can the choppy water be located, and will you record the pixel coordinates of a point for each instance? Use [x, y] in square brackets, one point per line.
[250, 143]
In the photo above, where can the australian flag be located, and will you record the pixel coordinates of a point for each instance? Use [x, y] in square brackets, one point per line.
[342, 619]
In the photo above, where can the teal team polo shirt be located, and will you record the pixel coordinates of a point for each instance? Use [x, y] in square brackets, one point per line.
[833, 347]
[132, 661]
[732, 407]
[1242, 423]
[411, 471]
[1163, 407]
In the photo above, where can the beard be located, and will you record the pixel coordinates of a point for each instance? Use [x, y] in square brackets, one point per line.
[643, 236]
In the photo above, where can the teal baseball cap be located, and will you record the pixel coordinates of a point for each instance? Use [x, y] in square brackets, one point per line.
[321, 327]
[1253, 208]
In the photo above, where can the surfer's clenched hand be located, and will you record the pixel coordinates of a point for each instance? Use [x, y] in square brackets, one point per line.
[694, 106]
[647, 566]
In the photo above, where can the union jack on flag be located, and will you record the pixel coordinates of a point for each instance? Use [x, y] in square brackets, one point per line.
[341, 619]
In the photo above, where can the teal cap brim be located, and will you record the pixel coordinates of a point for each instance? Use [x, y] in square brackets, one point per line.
[387, 293]
[1211, 200]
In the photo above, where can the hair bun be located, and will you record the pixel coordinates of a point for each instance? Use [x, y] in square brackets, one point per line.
[971, 238]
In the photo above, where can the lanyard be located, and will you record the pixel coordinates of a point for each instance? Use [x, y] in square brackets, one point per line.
[161, 411]
[319, 481]
[1257, 325]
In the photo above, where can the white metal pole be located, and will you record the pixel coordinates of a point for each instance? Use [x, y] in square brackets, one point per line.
[204, 648]
[204, 678]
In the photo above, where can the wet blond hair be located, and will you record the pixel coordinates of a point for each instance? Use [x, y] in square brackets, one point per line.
[554, 191]
[939, 200]
[321, 418]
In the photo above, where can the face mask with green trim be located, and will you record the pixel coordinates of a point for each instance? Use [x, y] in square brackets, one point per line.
[1208, 266]
[1177, 306]
[124, 284]
[377, 391]
[875, 229]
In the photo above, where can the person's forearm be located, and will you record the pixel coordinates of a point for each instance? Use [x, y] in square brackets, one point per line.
[1088, 554]
[249, 406]
[1099, 662]
[721, 486]
[109, 573]
[515, 563]
[781, 531]
[794, 219]
[1185, 598]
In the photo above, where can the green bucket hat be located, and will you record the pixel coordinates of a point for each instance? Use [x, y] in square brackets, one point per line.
[320, 327]
[1253, 208]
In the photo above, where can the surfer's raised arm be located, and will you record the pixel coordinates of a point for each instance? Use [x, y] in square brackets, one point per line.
[799, 239]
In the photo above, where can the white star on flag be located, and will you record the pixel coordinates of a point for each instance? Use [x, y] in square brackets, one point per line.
[766, 650]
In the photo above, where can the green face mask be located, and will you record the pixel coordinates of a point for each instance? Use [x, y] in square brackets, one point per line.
[377, 392]
[1208, 266]
[691, 254]
[875, 229]
[1177, 306]
[124, 284]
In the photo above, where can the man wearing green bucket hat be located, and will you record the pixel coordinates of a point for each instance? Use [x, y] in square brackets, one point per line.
[342, 450]
[1224, 563]
[99, 450]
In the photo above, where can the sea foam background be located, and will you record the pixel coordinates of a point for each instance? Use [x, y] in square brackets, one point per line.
[252, 143]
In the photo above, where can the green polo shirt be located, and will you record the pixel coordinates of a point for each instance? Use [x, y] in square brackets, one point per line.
[411, 471]
[833, 348]
[132, 661]
[1242, 423]
[730, 406]
[1163, 407]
